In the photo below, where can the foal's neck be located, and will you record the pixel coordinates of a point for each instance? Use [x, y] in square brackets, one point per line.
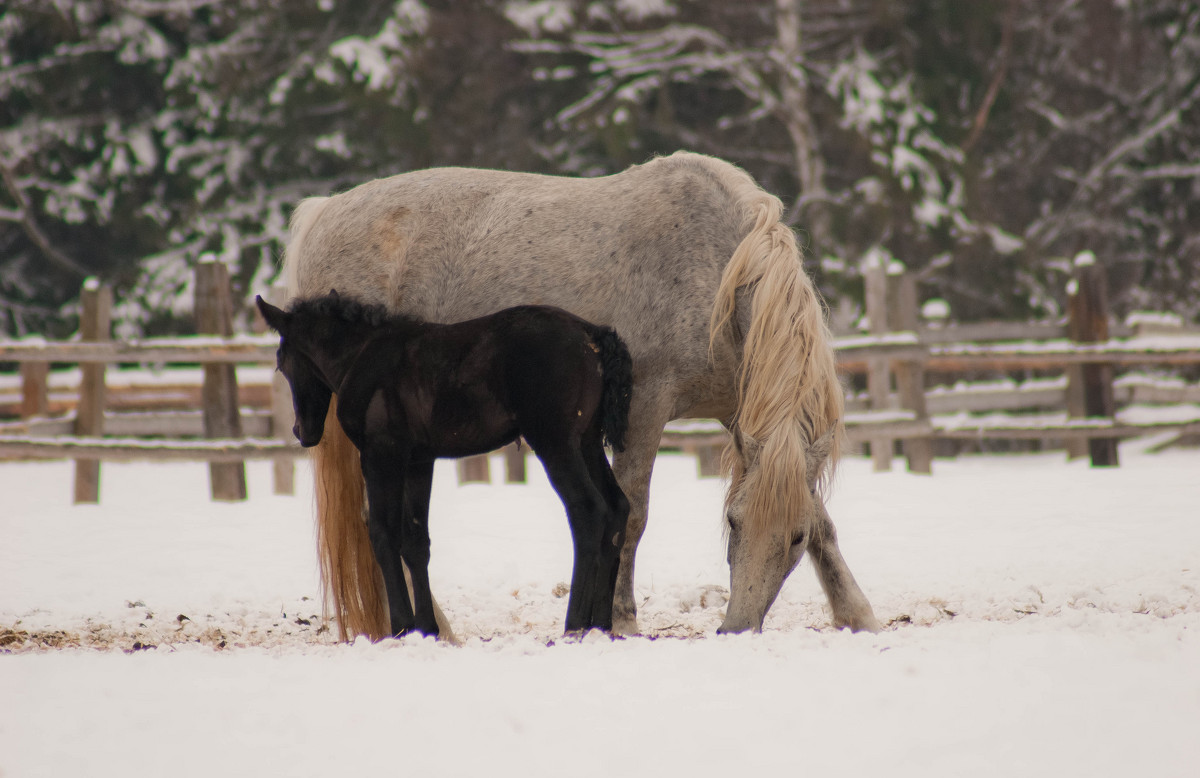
[336, 352]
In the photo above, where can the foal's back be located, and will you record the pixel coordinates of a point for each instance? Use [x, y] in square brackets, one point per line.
[451, 390]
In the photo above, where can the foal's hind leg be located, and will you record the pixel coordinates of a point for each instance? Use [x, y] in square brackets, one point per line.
[613, 538]
[847, 601]
[587, 510]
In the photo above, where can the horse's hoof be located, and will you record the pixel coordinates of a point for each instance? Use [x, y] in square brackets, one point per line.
[625, 626]
[867, 623]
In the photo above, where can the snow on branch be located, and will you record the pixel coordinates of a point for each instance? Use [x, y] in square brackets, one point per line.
[1047, 230]
[623, 63]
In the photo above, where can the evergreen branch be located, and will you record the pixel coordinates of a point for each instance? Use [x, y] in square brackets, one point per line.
[24, 214]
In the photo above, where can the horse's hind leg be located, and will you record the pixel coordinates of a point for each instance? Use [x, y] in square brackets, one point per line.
[847, 601]
[632, 468]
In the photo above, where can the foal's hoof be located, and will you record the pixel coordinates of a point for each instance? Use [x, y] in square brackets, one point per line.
[422, 633]
[589, 635]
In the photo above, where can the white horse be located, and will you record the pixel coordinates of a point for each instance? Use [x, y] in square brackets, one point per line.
[686, 257]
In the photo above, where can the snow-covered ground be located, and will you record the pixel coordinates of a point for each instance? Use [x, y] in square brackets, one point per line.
[1043, 619]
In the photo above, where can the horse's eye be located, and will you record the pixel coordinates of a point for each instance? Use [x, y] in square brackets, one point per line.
[798, 539]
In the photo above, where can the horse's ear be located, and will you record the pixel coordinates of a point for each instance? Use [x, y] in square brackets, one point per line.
[275, 318]
[817, 454]
[824, 444]
[334, 295]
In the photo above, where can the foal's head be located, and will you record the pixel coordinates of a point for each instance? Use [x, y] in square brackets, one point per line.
[310, 392]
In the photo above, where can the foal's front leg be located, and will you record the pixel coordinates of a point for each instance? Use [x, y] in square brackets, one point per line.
[385, 504]
[414, 542]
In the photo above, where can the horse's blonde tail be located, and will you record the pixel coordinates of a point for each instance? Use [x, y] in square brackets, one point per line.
[351, 581]
[789, 395]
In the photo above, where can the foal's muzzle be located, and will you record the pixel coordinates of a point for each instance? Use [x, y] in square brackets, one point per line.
[300, 437]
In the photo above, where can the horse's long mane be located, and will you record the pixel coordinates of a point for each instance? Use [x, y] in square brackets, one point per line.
[789, 395]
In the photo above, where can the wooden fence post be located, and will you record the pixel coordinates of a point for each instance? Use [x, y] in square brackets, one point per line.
[910, 376]
[283, 469]
[708, 460]
[473, 470]
[1088, 323]
[35, 389]
[95, 324]
[878, 374]
[514, 463]
[219, 395]
[1076, 448]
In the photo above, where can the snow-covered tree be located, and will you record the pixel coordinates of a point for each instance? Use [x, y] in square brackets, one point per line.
[136, 136]
[975, 142]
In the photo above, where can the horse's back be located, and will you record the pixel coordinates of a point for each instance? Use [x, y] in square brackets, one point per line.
[447, 244]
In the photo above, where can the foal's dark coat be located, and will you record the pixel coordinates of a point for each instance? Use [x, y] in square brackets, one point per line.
[410, 392]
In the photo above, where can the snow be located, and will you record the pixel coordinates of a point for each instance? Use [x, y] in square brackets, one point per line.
[552, 16]
[935, 308]
[1166, 320]
[1042, 620]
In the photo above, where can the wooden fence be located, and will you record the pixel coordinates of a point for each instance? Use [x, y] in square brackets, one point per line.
[1058, 384]
[902, 356]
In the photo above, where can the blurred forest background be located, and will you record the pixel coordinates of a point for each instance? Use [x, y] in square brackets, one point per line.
[982, 144]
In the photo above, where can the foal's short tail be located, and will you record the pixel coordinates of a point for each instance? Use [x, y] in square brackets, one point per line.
[617, 386]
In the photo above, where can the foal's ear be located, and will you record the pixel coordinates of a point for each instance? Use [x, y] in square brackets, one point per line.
[275, 318]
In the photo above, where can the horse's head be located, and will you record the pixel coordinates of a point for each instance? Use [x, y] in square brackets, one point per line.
[769, 520]
[310, 394]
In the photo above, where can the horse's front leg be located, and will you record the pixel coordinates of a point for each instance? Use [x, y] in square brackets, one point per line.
[847, 601]
[385, 505]
[414, 542]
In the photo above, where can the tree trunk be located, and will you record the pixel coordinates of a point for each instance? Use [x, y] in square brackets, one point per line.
[793, 112]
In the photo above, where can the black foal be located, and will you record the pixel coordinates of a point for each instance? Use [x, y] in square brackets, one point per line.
[411, 391]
